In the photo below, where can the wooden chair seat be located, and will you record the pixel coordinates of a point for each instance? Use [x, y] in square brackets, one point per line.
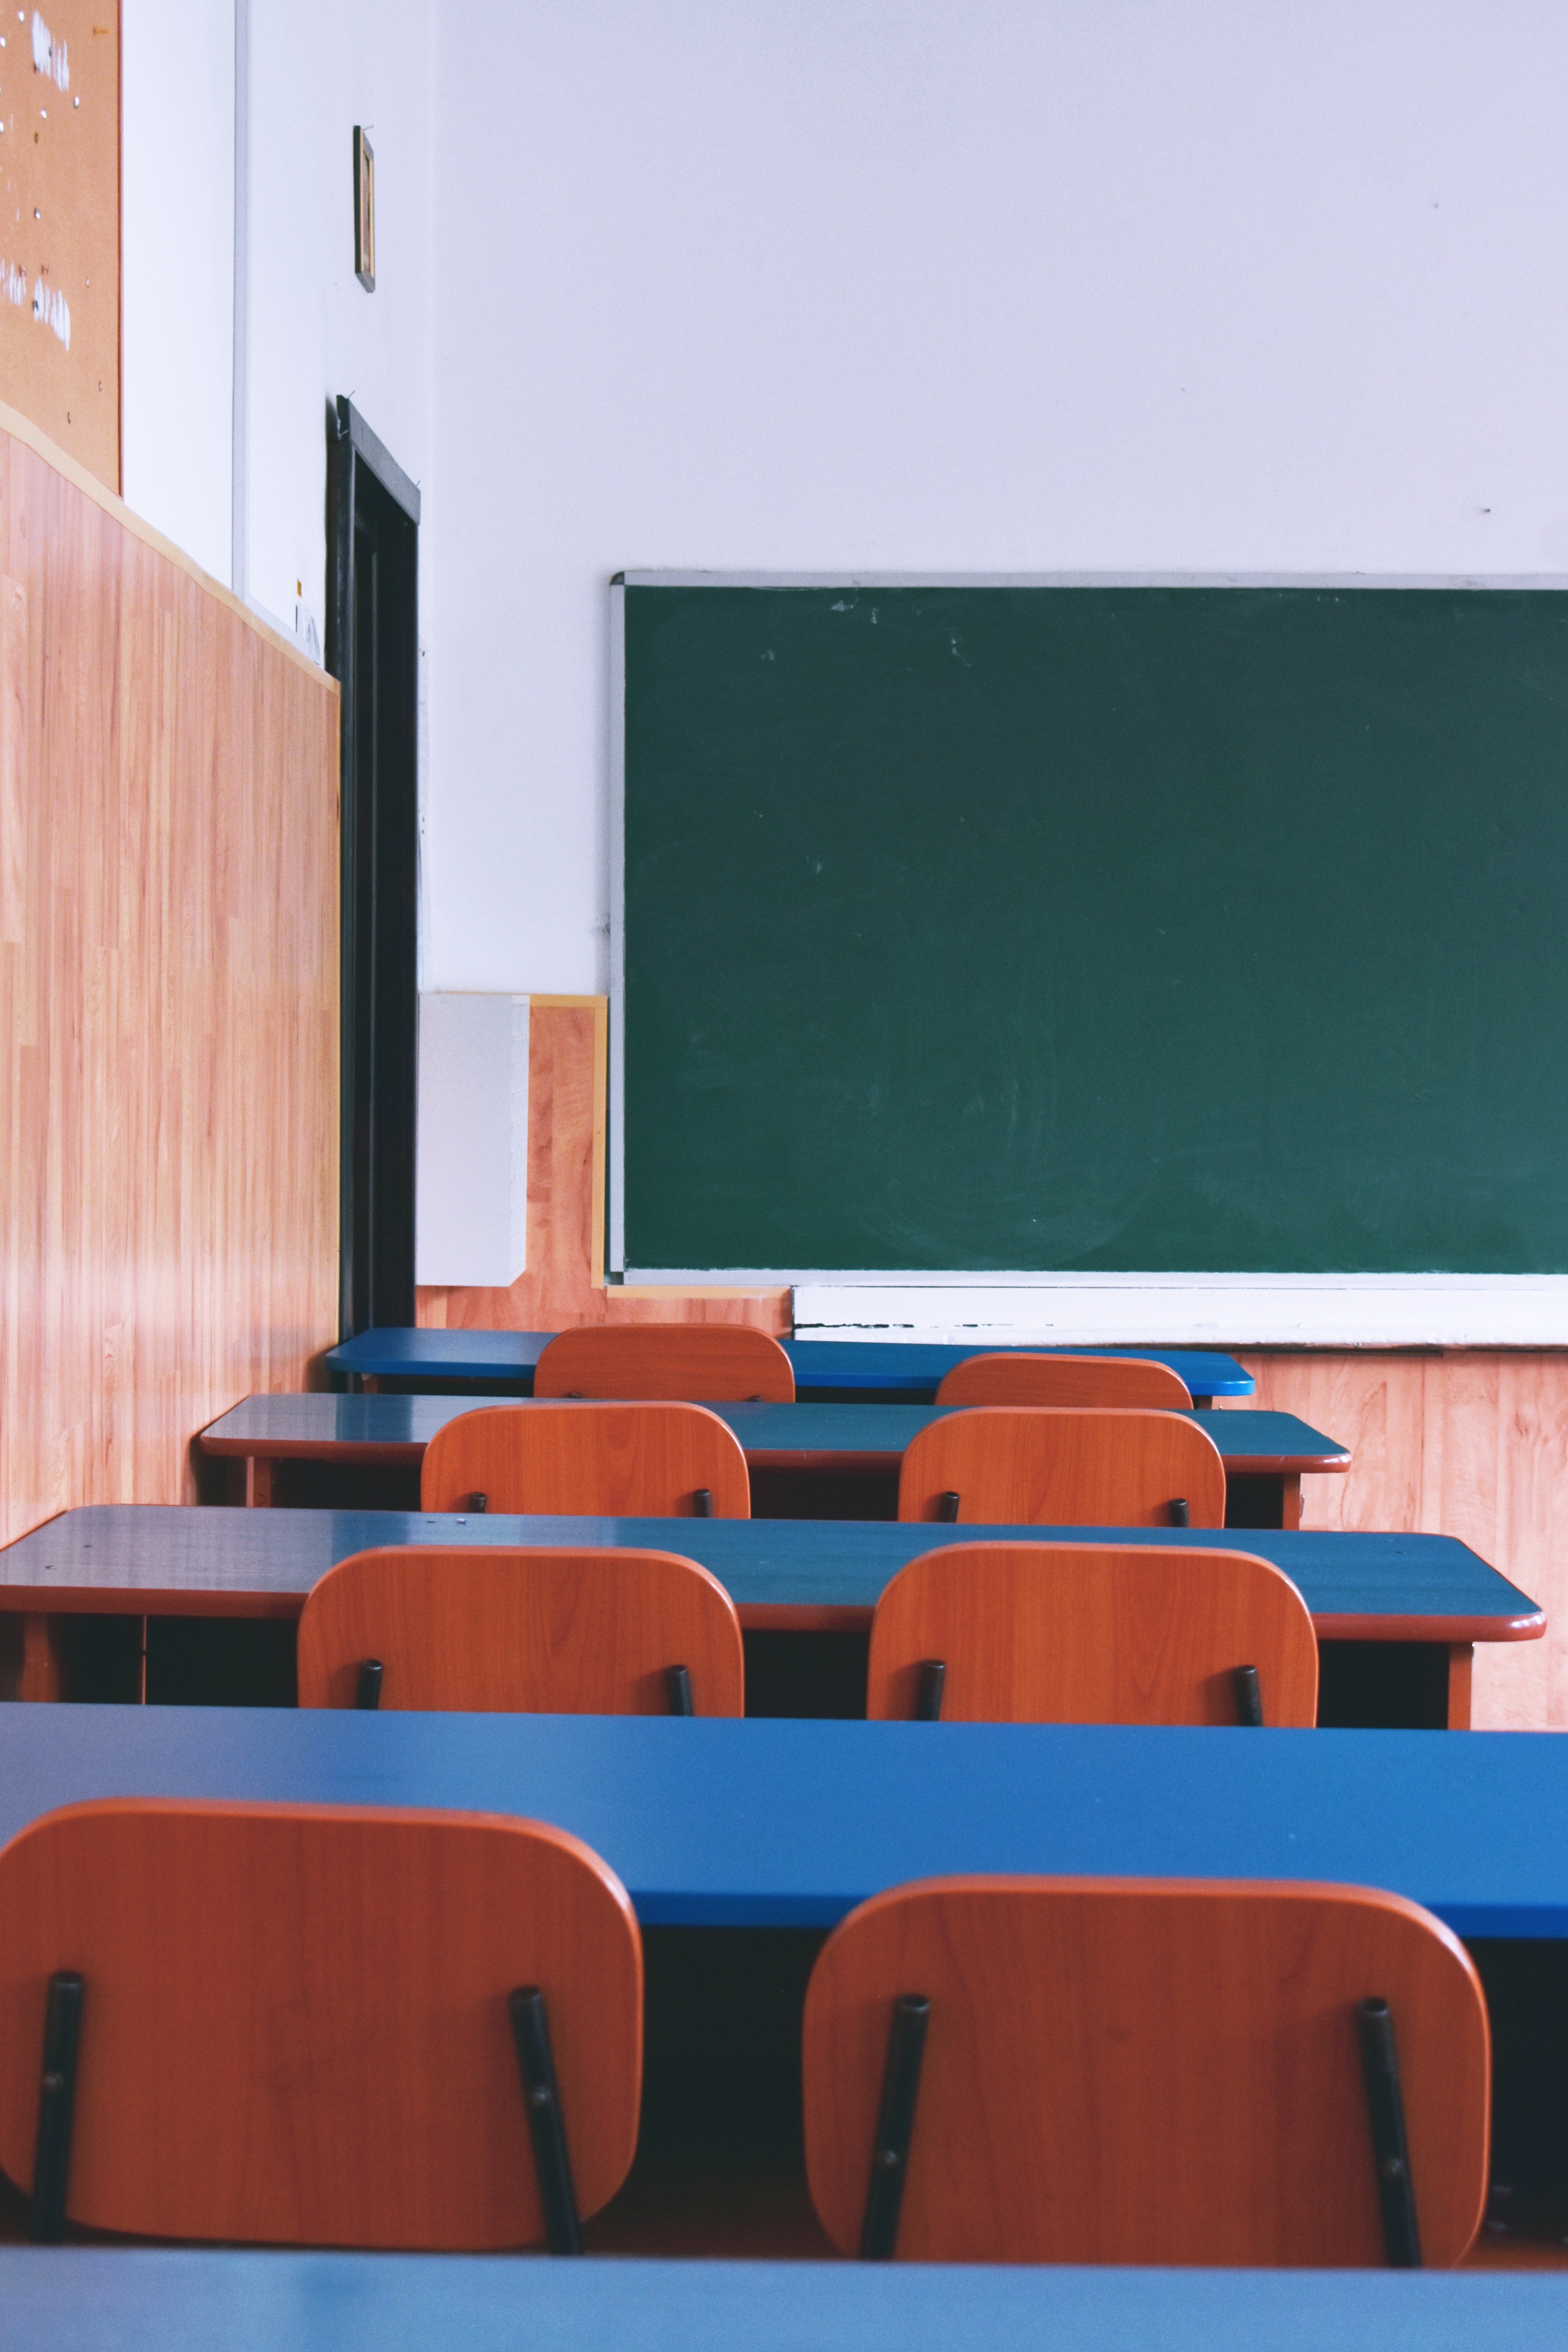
[1142, 2071]
[612, 1461]
[295, 2021]
[1050, 1465]
[1092, 1633]
[1013, 1377]
[701, 1363]
[540, 1632]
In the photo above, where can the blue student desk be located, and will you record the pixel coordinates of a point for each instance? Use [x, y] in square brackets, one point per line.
[907, 1371]
[1269, 1451]
[911, 1369]
[87, 2299]
[713, 1822]
[785, 1576]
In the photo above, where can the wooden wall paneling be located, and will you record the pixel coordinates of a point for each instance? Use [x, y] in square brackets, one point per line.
[168, 999]
[1467, 1443]
[564, 1279]
[1523, 1489]
[59, 226]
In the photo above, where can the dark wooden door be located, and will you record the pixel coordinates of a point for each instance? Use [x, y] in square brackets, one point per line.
[373, 648]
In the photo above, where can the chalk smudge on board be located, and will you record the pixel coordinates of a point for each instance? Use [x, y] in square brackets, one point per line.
[49, 56]
[51, 310]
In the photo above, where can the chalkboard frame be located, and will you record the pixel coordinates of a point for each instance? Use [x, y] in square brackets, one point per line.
[1277, 1308]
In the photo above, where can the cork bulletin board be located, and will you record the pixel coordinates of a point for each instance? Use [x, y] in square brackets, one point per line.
[59, 225]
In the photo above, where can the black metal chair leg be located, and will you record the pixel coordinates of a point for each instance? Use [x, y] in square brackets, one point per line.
[1391, 2153]
[927, 1696]
[677, 1689]
[1248, 1698]
[895, 2127]
[56, 2108]
[947, 1507]
[702, 1503]
[547, 2125]
[478, 1502]
[1181, 1516]
[367, 1690]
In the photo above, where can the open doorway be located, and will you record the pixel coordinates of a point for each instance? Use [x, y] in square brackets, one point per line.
[372, 649]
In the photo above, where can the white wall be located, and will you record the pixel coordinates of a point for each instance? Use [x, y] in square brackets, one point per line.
[980, 285]
[315, 70]
[176, 167]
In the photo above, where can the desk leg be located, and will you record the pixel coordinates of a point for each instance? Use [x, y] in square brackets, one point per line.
[1461, 1660]
[258, 1481]
[42, 1658]
[1290, 1499]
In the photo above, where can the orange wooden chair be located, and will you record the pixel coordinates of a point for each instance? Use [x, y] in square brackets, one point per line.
[704, 1364]
[1073, 2070]
[1019, 1379]
[304, 2024]
[1025, 1633]
[545, 1632]
[612, 1461]
[1057, 1465]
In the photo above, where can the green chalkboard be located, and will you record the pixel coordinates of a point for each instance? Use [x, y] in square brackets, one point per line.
[1118, 929]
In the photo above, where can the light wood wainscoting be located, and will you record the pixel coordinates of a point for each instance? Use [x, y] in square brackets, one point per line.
[168, 999]
[1467, 1443]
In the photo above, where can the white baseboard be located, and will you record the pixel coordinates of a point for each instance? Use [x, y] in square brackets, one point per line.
[1216, 1310]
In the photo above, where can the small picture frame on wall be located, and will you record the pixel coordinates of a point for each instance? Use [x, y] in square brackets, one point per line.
[364, 211]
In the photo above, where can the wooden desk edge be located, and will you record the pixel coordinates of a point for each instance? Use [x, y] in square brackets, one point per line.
[351, 1453]
[1274, 1465]
[781, 1616]
[356, 1451]
[1390, 1628]
[824, 1617]
[123, 1601]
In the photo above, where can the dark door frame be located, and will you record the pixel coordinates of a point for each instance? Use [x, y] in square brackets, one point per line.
[372, 650]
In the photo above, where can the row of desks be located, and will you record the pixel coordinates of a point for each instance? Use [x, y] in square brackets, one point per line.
[788, 1825]
[754, 1830]
[907, 1370]
[815, 1577]
[1269, 1450]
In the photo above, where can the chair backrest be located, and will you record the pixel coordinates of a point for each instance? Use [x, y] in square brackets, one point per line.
[295, 2018]
[1064, 1466]
[1014, 1377]
[1092, 1633]
[712, 1363]
[614, 1461]
[547, 1632]
[1142, 2071]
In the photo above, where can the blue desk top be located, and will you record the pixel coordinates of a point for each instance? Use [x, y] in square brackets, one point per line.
[168, 1556]
[394, 1353]
[769, 1433]
[916, 1365]
[771, 1821]
[114, 2299]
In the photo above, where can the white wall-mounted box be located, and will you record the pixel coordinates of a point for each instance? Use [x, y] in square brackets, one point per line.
[471, 1202]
